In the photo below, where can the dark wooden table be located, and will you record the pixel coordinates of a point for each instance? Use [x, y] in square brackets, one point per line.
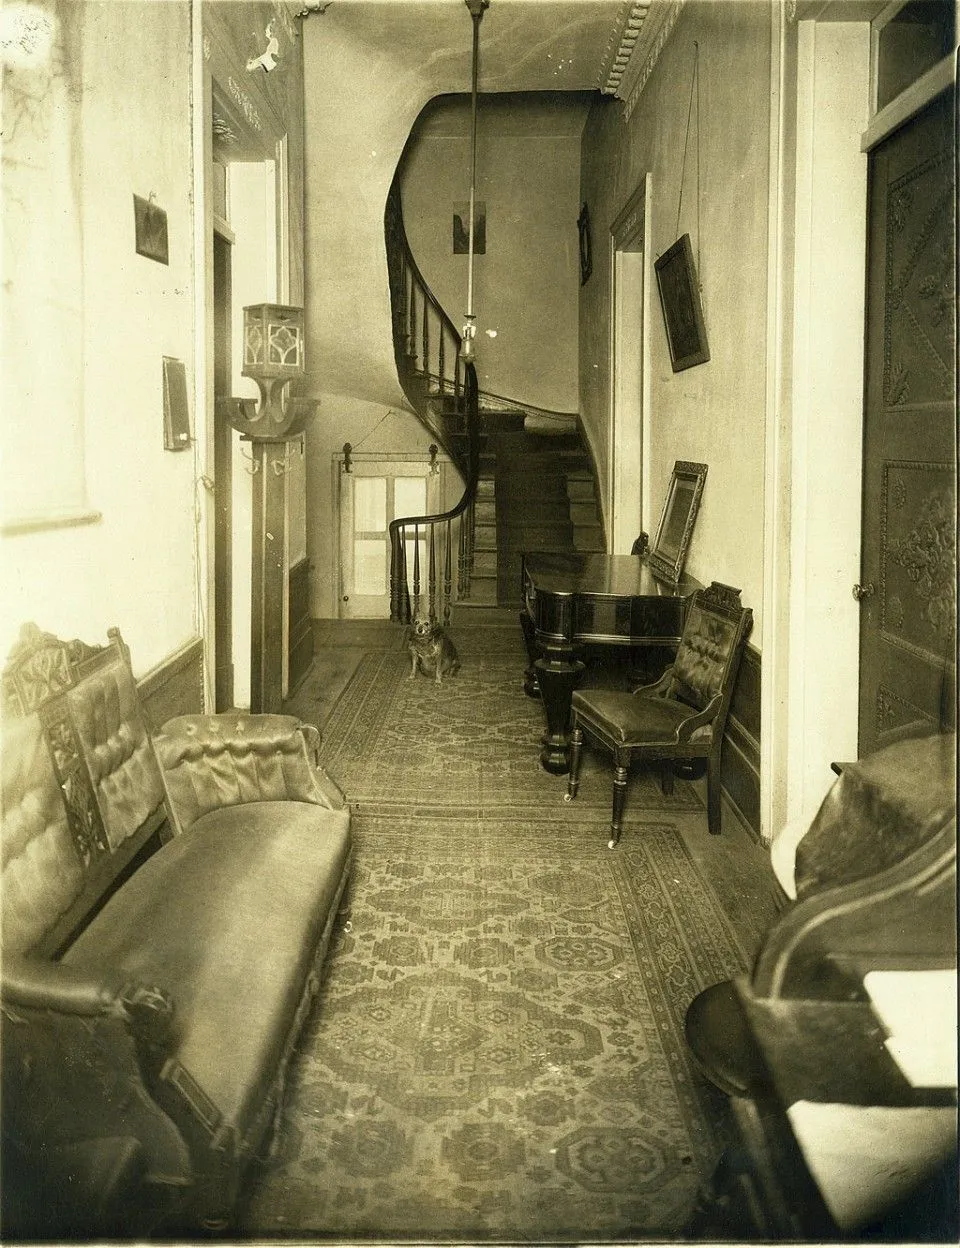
[577, 606]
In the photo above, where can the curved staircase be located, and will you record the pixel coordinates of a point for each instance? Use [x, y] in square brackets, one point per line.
[529, 478]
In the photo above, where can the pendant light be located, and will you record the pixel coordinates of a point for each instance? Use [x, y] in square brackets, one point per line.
[476, 9]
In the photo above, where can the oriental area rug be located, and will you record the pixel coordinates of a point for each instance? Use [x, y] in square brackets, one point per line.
[497, 1050]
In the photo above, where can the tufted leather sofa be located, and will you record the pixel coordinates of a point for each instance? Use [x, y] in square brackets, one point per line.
[167, 903]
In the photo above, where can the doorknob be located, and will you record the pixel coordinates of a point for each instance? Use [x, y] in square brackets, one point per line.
[864, 591]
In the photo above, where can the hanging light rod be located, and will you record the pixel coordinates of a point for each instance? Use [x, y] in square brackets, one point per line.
[477, 8]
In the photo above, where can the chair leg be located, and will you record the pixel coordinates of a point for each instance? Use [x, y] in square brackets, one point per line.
[576, 749]
[666, 777]
[619, 800]
[713, 796]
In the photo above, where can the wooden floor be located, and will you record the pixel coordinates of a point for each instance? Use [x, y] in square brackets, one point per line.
[736, 865]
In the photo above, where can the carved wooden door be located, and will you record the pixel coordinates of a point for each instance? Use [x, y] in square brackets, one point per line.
[908, 569]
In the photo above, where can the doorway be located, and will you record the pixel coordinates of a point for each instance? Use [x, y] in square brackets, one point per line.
[222, 470]
[629, 369]
[372, 494]
[907, 587]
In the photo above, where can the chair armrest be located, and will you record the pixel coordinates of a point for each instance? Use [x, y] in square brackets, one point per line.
[658, 687]
[700, 719]
[214, 761]
[34, 984]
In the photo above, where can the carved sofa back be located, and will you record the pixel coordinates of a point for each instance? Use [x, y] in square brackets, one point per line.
[167, 903]
[82, 787]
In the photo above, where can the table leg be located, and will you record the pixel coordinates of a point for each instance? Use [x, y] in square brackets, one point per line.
[557, 681]
[531, 686]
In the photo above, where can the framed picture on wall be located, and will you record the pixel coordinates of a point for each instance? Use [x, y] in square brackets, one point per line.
[150, 229]
[586, 245]
[680, 300]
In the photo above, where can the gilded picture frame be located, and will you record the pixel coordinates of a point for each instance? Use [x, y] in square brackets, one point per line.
[668, 556]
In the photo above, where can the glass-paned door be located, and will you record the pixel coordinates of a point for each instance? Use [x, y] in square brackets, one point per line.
[371, 495]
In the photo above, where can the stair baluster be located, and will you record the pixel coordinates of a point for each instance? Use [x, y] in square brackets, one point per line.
[447, 570]
[432, 587]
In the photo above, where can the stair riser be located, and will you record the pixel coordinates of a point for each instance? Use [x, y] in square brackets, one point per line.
[483, 591]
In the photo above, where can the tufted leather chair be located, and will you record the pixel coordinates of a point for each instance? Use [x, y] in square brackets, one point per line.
[680, 718]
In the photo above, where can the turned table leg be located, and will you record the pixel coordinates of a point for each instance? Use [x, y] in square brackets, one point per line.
[557, 680]
[531, 686]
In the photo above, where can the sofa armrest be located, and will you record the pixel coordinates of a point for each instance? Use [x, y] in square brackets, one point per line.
[215, 761]
[34, 984]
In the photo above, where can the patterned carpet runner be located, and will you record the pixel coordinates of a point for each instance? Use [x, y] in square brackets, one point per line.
[470, 745]
[497, 1052]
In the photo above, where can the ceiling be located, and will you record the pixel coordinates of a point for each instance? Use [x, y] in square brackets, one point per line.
[525, 45]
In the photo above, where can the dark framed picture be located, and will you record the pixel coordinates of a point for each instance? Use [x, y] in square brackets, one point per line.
[176, 410]
[680, 300]
[679, 515]
[586, 244]
[461, 229]
[150, 226]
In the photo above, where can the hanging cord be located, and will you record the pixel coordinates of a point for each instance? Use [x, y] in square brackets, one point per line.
[694, 88]
[476, 8]
[370, 432]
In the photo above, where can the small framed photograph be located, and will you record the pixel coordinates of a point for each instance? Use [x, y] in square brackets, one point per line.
[680, 300]
[150, 225]
[176, 411]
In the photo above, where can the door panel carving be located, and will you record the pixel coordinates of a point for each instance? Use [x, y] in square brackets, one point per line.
[908, 628]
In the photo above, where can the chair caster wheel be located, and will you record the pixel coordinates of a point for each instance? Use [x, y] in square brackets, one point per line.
[611, 844]
[568, 797]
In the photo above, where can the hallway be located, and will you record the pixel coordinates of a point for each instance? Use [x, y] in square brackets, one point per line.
[497, 1050]
[736, 866]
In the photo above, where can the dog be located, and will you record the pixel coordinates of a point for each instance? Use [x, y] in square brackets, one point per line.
[431, 650]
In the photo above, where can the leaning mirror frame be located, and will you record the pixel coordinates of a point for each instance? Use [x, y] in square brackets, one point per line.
[675, 530]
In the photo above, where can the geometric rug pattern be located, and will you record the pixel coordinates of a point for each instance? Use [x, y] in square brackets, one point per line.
[470, 745]
[497, 1051]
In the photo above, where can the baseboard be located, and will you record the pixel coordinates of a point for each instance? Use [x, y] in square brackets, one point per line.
[740, 767]
[174, 687]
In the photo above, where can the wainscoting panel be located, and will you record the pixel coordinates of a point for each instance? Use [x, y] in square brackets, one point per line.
[174, 687]
[741, 748]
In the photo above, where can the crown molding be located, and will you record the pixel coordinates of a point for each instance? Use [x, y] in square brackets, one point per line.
[656, 23]
[623, 40]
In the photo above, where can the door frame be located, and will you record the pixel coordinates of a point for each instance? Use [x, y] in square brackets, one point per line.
[264, 138]
[631, 252]
[371, 462]
[822, 78]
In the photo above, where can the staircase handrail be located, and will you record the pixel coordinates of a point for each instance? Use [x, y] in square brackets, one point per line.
[416, 382]
[400, 606]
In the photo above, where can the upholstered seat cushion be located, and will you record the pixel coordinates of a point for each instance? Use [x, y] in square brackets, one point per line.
[228, 918]
[631, 719]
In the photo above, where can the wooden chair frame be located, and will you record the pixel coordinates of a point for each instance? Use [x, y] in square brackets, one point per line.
[720, 600]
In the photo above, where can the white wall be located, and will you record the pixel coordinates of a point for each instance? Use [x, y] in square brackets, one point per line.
[136, 567]
[526, 283]
[713, 413]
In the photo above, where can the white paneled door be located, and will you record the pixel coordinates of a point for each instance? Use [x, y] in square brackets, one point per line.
[372, 494]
